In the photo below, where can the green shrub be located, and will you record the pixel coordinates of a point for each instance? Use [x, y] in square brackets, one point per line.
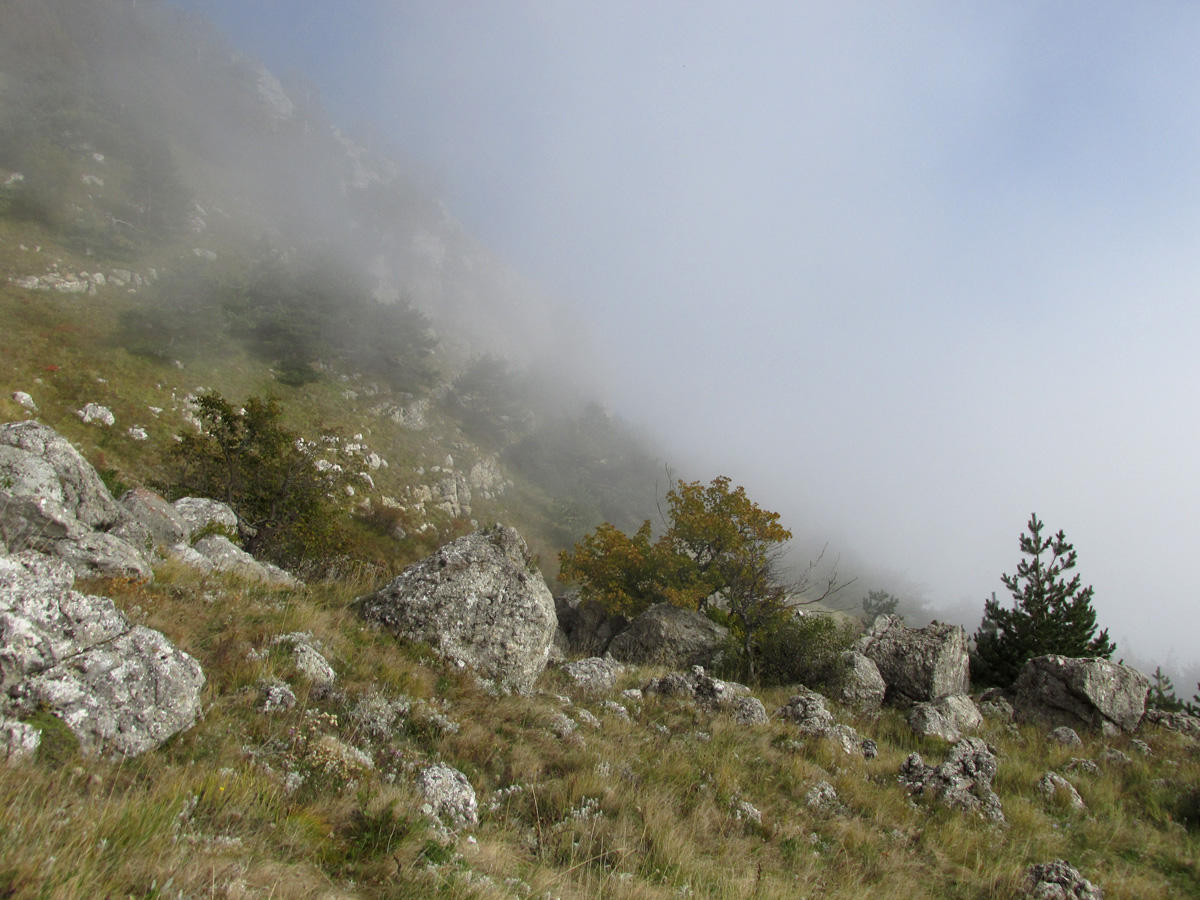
[799, 650]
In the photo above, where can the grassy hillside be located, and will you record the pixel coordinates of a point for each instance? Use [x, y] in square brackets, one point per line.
[673, 802]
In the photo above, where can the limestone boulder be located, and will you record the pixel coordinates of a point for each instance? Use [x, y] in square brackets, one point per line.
[478, 602]
[162, 521]
[856, 682]
[1081, 693]
[226, 556]
[121, 688]
[79, 488]
[595, 674]
[201, 512]
[918, 664]
[670, 636]
[711, 694]
[946, 717]
[52, 501]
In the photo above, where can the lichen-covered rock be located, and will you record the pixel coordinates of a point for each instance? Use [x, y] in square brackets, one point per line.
[1181, 723]
[1059, 880]
[595, 674]
[120, 688]
[478, 602]
[1064, 735]
[670, 636]
[1053, 785]
[54, 502]
[226, 556]
[946, 717]
[963, 781]
[80, 489]
[917, 664]
[19, 741]
[162, 521]
[448, 796]
[995, 703]
[201, 512]
[808, 712]
[711, 694]
[1091, 693]
[857, 682]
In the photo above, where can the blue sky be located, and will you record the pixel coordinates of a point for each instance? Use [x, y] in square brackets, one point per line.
[908, 272]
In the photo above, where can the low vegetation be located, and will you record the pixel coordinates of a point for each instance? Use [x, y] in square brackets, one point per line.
[674, 802]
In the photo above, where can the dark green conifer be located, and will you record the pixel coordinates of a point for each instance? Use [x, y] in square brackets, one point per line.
[1052, 614]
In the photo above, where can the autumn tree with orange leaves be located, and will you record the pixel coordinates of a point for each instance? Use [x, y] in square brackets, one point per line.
[720, 548]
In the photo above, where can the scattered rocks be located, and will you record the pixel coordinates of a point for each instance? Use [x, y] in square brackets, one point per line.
[808, 712]
[946, 717]
[478, 602]
[917, 664]
[55, 503]
[823, 798]
[963, 781]
[994, 703]
[711, 694]
[308, 659]
[1086, 766]
[1059, 880]
[199, 513]
[670, 636]
[226, 556]
[448, 797]
[1096, 694]
[162, 521]
[1113, 755]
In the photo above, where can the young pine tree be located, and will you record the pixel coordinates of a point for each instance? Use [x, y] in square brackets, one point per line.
[1052, 614]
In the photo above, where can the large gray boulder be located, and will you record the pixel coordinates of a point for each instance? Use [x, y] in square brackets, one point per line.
[121, 688]
[1091, 693]
[52, 501]
[946, 717]
[856, 682]
[478, 602]
[164, 524]
[587, 626]
[917, 664]
[226, 556]
[75, 483]
[670, 636]
[201, 512]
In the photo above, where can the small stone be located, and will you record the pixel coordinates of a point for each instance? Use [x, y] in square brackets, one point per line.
[1066, 736]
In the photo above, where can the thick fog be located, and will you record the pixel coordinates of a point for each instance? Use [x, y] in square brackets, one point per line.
[908, 273]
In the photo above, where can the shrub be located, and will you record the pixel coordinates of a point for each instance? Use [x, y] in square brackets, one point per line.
[286, 490]
[801, 649]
